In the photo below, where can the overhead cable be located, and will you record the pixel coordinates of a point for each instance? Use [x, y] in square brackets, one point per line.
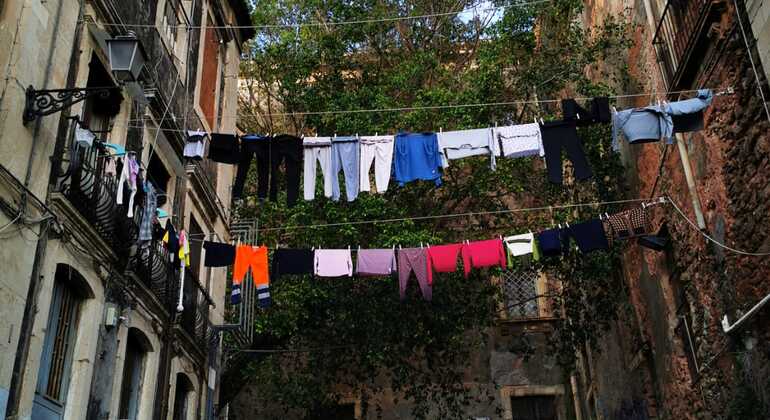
[456, 215]
[340, 23]
[720, 92]
[711, 239]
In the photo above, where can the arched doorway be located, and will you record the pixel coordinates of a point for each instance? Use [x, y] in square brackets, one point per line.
[137, 347]
[182, 396]
[70, 289]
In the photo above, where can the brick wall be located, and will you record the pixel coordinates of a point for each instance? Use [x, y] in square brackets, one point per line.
[695, 280]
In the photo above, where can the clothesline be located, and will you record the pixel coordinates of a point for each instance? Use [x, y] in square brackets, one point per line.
[719, 92]
[324, 24]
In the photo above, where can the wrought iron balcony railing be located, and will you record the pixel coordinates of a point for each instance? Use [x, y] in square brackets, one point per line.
[92, 191]
[677, 36]
[194, 319]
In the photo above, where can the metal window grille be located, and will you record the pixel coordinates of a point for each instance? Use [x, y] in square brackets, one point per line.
[520, 293]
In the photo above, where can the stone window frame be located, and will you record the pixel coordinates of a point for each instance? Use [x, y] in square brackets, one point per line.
[544, 307]
[509, 391]
[176, 46]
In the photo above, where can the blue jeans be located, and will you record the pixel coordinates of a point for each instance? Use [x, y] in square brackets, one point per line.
[345, 156]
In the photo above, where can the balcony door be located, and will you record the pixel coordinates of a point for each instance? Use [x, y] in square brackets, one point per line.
[56, 359]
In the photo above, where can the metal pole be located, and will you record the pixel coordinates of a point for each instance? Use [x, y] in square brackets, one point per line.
[682, 146]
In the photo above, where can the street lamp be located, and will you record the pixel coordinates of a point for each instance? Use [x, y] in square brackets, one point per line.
[127, 57]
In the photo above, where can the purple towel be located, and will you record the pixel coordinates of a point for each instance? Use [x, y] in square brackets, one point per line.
[376, 262]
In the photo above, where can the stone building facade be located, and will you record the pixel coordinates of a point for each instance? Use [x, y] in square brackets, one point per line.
[90, 324]
[679, 360]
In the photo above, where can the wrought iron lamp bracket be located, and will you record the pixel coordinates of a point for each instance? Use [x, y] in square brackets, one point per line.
[44, 102]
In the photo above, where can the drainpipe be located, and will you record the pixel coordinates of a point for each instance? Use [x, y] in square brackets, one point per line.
[682, 146]
[576, 397]
[36, 277]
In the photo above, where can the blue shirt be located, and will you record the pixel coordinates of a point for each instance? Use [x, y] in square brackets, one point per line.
[417, 156]
[652, 123]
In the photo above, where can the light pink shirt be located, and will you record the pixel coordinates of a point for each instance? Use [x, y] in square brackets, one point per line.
[333, 263]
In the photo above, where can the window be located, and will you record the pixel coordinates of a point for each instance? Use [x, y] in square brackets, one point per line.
[196, 236]
[98, 110]
[520, 290]
[133, 370]
[170, 23]
[209, 76]
[534, 408]
[182, 396]
[157, 173]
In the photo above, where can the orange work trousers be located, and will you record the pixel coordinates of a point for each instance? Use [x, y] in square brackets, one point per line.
[247, 256]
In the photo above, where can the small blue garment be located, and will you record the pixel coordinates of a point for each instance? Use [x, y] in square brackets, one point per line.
[553, 242]
[690, 106]
[642, 125]
[417, 156]
[119, 150]
[345, 155]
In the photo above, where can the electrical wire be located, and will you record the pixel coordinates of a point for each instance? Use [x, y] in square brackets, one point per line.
[725, 91]
[2, 229]
[714, 241]
[324, 24]
[456, 215]
[751, 59]
[471, 105]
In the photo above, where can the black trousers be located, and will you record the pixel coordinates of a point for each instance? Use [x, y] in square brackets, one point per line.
[558, 135]
[270, 153]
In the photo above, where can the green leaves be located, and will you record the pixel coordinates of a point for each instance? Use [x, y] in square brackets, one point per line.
[421, 350]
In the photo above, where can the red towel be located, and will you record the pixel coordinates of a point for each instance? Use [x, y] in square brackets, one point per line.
[480, 254]
[443, 259]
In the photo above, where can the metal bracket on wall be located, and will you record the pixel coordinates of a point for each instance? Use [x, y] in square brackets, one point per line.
[726, 324]
[44, 102]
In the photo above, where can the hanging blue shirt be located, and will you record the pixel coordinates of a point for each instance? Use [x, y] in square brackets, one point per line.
[417, 156]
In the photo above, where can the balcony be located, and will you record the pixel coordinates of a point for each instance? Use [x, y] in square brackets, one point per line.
[91, 191]
[681, 42]
[194, 319]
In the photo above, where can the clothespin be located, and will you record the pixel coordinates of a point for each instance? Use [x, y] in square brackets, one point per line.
[376, 134]
[567, 223]
[359, 248]
[606, 215]
[577, 114]
[356, 135]
[644, 205]
[541, 121]
[614, 110]
[399, 247]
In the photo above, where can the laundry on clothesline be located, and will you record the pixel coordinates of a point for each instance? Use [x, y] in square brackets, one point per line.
[421, 263]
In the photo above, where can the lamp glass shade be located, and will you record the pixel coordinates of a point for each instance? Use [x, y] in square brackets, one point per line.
[126, 58]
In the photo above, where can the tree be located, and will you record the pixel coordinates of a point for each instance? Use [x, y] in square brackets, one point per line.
[362, 336]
